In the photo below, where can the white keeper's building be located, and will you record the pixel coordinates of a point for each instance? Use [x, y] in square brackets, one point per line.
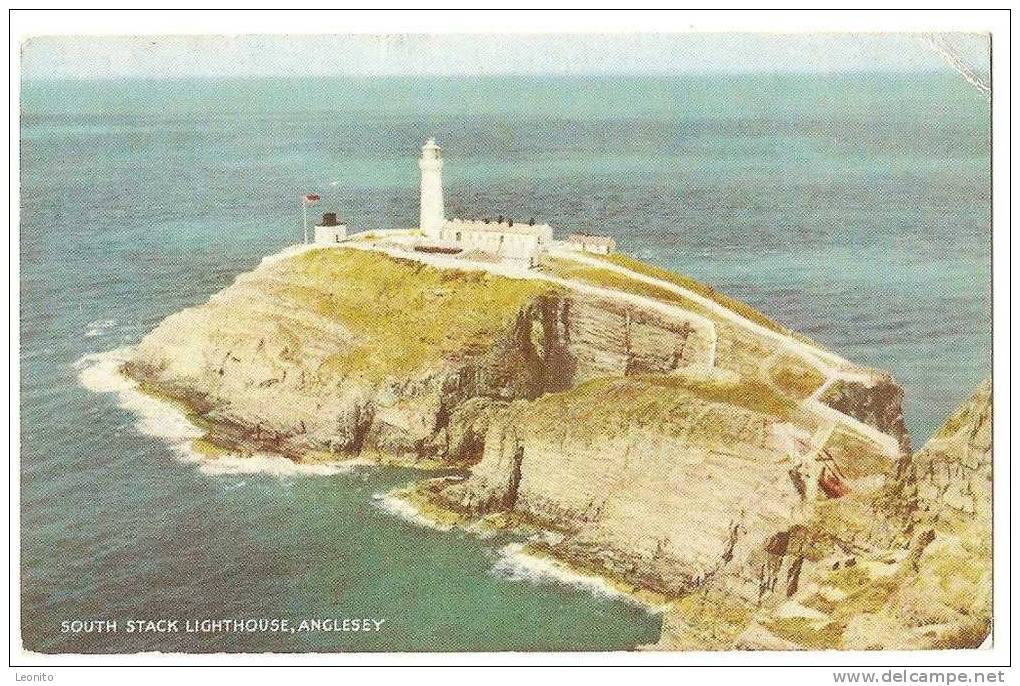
[518, 242]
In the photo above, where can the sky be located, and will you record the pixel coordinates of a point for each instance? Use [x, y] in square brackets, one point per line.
[111, 57]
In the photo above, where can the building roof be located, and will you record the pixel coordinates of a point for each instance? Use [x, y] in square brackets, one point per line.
[540, 230]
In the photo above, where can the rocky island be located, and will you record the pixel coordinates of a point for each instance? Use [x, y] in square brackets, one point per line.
[756, 487]
[765, 496]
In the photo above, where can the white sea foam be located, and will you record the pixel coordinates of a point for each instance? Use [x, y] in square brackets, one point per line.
[269, 463]
[517, 565]
[98, 327]
[100, 373]
[401, 508]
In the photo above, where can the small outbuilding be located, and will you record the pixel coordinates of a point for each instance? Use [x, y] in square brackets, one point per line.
[330, 230]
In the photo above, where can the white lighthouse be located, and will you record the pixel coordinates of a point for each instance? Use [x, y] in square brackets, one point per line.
[431, 164]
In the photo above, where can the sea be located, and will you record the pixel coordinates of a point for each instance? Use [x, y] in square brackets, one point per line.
[854, 208]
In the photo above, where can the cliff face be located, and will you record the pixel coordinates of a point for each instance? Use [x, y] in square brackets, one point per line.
[950, 479]
[349, 351]
[906, 567]
[659, 486]
[663, 456]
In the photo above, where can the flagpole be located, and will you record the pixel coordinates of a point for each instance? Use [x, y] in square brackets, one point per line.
[306, 200]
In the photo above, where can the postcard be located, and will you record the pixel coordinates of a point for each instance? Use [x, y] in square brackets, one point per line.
[505, 343]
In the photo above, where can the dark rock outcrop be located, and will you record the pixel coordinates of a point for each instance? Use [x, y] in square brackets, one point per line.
[878, 404]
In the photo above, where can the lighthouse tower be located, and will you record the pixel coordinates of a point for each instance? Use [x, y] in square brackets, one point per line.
[431, 164]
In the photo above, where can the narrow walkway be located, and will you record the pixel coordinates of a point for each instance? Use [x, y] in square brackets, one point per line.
[832, 366]
[823, 358]
[703, 324]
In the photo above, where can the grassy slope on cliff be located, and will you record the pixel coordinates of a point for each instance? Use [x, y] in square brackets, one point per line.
[405, 315]
[652, 400]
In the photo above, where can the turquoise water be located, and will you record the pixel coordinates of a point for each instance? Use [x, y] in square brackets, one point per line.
[853, 208]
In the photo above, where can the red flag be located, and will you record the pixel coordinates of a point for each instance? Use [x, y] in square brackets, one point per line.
[311, 199]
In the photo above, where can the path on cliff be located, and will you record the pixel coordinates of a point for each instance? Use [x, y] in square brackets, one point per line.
[701, 323]
[832, 366]
[824, 360]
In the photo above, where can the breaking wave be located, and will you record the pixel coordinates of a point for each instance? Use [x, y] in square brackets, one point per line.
[399, 507]
[270, 463]
[100, 373]
[98, 327]
[516, 564]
